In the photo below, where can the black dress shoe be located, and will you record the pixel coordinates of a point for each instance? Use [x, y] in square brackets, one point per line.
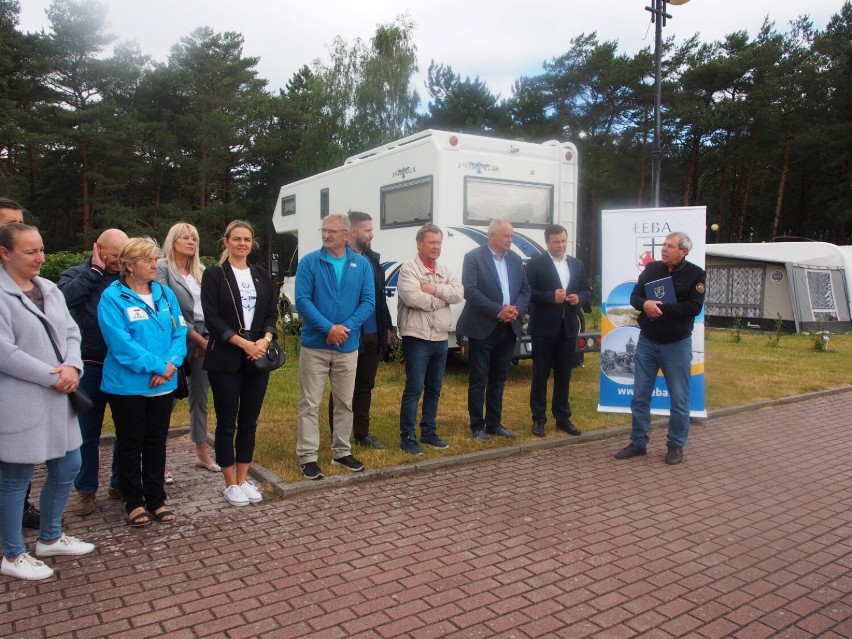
[674, 456]
[630, 451]
[568, 427]
[502, 431]
[538, 429]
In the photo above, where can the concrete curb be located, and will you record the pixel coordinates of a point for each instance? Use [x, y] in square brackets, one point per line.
[284, 489]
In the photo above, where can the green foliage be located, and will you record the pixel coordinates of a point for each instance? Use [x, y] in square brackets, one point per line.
[775, 337]
[395, 353]
[755, 127]
[56, 263]
[738, 326]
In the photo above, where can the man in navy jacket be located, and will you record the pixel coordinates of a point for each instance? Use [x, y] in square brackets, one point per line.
[496, 296]
[559, 290]
[82, 287]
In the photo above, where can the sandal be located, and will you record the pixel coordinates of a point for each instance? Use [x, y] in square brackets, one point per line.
[138, 520]
[164, 516]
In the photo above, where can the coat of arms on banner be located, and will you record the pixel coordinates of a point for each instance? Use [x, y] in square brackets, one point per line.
[648, 250]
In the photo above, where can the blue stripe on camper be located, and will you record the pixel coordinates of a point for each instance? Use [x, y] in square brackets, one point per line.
[391, 274]
[525, 245]
[480, 237]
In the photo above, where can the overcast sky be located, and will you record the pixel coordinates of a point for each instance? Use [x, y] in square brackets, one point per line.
[497, 40]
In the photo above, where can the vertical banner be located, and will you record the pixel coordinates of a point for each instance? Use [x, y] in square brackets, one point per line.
[632, 238]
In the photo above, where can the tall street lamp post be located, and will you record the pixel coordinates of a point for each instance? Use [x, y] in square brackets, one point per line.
[658, 16]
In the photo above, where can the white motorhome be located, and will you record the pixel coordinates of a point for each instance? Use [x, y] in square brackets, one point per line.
[457, 181]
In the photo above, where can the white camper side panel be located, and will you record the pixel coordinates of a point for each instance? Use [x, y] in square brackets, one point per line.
[458, 182]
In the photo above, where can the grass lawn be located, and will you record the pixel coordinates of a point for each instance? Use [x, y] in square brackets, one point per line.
[736, 374]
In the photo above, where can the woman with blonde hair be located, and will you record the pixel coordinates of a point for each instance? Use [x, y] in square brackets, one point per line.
[181, 269]
[40, 366]
[241, 314]
[145, 334]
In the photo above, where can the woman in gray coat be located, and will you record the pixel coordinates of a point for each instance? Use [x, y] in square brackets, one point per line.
[39, 366]
[180, 270]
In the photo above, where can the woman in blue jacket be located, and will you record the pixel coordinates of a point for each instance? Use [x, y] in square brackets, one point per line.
[145, 333]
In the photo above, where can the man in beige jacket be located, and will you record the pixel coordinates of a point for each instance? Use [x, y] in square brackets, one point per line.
[426, 289]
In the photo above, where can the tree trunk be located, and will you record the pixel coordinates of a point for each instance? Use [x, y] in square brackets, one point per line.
[691, 177]
[84, 193]
[746, 195]
[782, 185]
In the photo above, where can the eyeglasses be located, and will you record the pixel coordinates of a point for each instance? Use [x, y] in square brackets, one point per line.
[332, 231]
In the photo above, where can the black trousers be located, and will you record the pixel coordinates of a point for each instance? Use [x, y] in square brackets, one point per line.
[552, 354]
[365, 380]
[141, 429]
[489, 362]
[237, 398]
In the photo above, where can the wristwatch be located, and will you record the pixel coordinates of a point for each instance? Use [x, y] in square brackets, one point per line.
[268, 339]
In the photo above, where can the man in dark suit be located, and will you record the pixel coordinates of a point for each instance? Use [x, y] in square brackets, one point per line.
[496, 296]
[559, 289]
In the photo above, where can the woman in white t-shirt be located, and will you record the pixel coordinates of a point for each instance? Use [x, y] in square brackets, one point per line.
[181, 270]
[240, 314]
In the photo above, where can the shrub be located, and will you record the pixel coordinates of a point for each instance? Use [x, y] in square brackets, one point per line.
[55, 263]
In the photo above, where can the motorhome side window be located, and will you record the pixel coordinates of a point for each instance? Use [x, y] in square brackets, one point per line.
[407, 203]
[522, 203]
[288, 205]
[323, 203]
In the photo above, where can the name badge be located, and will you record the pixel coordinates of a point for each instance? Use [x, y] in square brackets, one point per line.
[135, 314]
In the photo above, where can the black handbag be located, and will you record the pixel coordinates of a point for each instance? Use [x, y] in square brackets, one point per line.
[182, 389]
[80, 400]
[272, 360]
[274, 357]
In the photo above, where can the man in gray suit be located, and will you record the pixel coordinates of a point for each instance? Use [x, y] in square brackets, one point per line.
[496, 296]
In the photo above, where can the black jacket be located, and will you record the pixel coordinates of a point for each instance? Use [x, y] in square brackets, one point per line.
[82, 287]
[222, 321]
[678, 318]
[547, 318]
[384, 322]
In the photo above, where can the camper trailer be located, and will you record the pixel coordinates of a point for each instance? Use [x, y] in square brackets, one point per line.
[458, 182]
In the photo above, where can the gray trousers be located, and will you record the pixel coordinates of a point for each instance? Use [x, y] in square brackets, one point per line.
[316, 365]
[197, 383]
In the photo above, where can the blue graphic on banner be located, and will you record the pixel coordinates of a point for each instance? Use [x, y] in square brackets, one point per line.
[632, 240]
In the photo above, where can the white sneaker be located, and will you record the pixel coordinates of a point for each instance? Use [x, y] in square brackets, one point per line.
[65, 545]
[26, 567]
[251, 492]
[235, 496]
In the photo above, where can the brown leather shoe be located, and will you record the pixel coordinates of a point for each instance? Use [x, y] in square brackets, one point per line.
[85, 504]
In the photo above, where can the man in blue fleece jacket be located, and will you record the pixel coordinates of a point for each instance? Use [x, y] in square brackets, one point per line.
[335, 295]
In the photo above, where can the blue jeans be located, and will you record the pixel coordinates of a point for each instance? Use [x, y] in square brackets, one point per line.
[490, 360]
[675, 360]
[90, 428]
[424, 369]
[14, 479]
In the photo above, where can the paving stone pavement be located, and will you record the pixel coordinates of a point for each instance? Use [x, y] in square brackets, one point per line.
[750, 537]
